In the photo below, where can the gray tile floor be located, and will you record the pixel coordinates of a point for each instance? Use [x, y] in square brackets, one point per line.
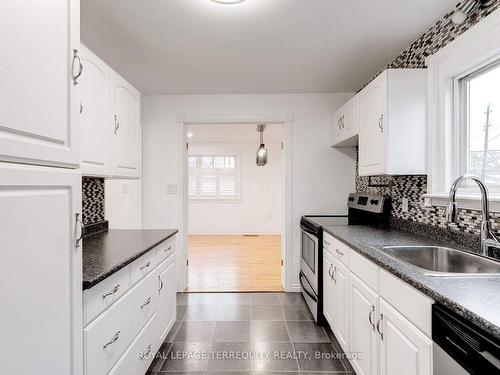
[247, 333]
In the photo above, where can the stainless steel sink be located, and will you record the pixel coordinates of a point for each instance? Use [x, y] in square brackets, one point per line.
[443, 261]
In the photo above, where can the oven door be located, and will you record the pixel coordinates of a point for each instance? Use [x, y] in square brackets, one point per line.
[309, 258]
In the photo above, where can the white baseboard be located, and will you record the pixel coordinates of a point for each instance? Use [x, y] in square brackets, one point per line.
[294, 288]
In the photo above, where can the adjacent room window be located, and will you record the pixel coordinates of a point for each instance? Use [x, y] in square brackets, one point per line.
[479, 126]
[214, 177]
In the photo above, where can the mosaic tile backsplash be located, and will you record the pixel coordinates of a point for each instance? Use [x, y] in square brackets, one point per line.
[92, 200]
[413, 187]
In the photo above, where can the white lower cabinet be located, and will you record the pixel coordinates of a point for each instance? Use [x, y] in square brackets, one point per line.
[340, 304]
[404, 349]
[167, 303]
[40, 270]
[124, 338]
[364, 337]
[328, 287]
[335, 304]
[140, 354]
[383, 338]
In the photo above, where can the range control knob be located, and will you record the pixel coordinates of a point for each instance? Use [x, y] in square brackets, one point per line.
[374, 201]
[350, 199]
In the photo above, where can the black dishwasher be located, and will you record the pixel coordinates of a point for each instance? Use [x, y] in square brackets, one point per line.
[463, 343]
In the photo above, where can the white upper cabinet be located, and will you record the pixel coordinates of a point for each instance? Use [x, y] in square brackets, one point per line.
[39, 111]
[95, 116]
[127, 132]
[110, 119]
[392, 120]
[41, 270]
[344, 125]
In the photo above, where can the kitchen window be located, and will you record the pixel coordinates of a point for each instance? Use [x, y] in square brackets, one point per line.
[479, 126]
[214, 177]
[463, 127]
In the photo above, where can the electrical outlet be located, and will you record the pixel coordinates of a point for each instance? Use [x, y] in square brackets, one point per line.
[404, 205]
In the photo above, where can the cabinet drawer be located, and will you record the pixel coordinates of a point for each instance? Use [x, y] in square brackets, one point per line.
[142, 266]
[165, 249]
[366, 270]
[338, 249]
[415, 306]
[141, 352]
[103, 295]
[117, 327]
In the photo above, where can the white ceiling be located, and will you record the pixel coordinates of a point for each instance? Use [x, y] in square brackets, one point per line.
[258, 46]
[234, 133]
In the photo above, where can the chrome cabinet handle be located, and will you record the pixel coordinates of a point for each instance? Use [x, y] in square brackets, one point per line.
[113, 340]
[148, 301]
[339, 123]
[81, 107]
[161, 283]
[333, 275]
[168, 248]
[378, 326]
[330, 271]
[145, 266]
[78, 222]
[117, 124]
[111, 292]
[370, 317]
[80, 67]
[339, 252]
[381, 123]
[328, 243]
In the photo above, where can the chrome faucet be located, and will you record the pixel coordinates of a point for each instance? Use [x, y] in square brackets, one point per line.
[488, 239]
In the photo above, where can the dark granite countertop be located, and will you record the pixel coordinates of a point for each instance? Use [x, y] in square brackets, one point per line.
[476, 299]
[107, 252]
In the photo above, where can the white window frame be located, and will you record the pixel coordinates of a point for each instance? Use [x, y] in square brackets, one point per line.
[475, 49]
[218, 172]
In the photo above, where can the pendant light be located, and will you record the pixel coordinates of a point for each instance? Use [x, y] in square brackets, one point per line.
[262, 150]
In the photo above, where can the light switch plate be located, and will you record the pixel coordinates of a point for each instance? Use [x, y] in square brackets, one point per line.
[172, 189]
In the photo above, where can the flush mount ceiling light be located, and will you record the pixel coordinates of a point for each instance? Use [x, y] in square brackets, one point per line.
[465, 8]
[227, 2]
[262, 150]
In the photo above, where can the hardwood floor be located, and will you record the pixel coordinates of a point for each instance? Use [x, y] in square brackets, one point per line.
[234, 263]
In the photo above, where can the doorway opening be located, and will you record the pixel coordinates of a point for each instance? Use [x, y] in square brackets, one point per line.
[235, 207]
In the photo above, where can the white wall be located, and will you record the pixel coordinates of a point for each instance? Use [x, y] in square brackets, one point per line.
[123, 204]
[259, 210]
[322, 177]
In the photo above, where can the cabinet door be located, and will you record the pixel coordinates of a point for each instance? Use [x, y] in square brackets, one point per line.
[349, 123]
[167, 291]
[341, 304]
[363, 335]
[95, 118]
[328, 288]
[336, 127]
[372, 127]
[40, 271]
[39, 113]
[126, 139]
[403, 348]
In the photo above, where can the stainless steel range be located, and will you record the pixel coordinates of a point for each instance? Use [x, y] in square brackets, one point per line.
[363, 209]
